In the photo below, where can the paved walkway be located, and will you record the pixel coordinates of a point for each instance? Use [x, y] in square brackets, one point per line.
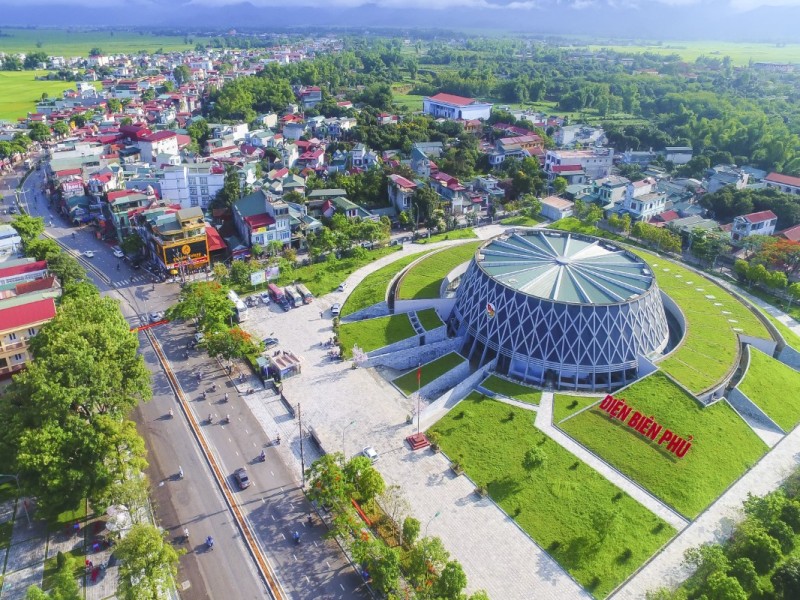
[350, 409]
[544, 421]
[716, 523]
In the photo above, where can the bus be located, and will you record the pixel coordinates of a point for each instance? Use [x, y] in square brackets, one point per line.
[278, 296]
[240, 313]
[308, 297]
[293, 296]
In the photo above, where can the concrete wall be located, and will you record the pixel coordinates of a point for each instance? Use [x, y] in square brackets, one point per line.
[403, 360]
[443, 306]
[381, 309]
[766, 346]
[439, 407]
[646, 366]
[790, 356]
[745, 406]
[449, 380]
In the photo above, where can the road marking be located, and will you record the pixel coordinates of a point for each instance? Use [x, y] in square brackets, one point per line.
[273, 518]
[271, 473]
[263, 501]
[327, 563]
[341, 586]
[281, 488]
[315, 544]
[307, 579]
[294, 556]
[283, 536]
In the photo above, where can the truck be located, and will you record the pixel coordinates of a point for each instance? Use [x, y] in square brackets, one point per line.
[293, 296]
[278, 296]
[308, 297]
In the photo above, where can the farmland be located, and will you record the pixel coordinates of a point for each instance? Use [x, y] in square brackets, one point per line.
[20, 91]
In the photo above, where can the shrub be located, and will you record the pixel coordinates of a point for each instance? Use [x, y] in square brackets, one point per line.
[745, 573]
[791, 515]
[786, 579]
[756, 544]
[784, 534]
[60, 560]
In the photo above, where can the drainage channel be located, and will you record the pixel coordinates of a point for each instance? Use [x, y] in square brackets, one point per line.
[275, 588]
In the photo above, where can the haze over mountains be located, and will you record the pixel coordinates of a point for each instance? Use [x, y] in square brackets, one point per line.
[746, 20]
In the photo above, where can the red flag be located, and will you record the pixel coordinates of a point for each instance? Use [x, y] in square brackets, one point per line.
[419, 374]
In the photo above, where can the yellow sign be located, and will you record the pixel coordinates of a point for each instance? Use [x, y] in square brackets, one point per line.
[186, 250]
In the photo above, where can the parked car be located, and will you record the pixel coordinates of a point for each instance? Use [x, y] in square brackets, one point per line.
[240, 475]
[198, 338]
[265, 297]
[118, 252]
[269, 342]
[89, 254]
[156, 316]
[370, 453]
[336, 309]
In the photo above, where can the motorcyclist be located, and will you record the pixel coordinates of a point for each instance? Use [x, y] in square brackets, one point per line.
[296, 537]
[210, 418]
[226, 396]
[170, 413]
[210, 542]
[180, 472]
[185, 534]
[227, 418]
[262, 457]
[278, 439]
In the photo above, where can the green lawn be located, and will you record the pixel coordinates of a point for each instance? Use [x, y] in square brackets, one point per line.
[774, 388]
[514, 390]
[411, 101]
[565, 405]
[51, 568]
[575, 225]
[592, 528]
[373, 287]
[424, 279]
[74, 42]
[455, 234]
[429, 319]
[740, 53]
[372, 334]
[322, 278]
[710, 346]
[521, 220]
[430, 371]
[723, 446]
[19, 91]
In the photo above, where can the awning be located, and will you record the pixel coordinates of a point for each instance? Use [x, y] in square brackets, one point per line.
[215, 241]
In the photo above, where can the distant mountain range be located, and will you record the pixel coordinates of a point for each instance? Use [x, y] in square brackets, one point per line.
[645, 19]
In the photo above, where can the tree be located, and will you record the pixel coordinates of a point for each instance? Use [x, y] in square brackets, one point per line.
[149, 94]
[559, 185]
[411, 528]
[206, 301]
[395, 505]
[132, 244]
[148, 563]
[707, 559]
[43, 249]
[534, 458]
[231, 189]
[95, 51]
[199, 132]
[794, 293]
[229, 343]
[220, 271]
[384, 567]
[425, 561]
[61, 128]
[182, 74]
[365, 479]
[723, 587]
[40, 132]
[451, 582]
[751, 541]
[786, 579]
[33, 59]
[114, 105]
[68, 270]
[745, 573]
[29, 228]
[327, 482]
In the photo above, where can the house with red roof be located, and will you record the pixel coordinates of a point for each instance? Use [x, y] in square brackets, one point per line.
[784, 183]
[758, 223]
[450, 106]
[401, 191]
[792, 234]
[262, 218]
[160, 142]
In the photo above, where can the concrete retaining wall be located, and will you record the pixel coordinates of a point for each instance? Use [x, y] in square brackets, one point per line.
[745, 406]
[450, 380]
[403, 360]
[443, 306]
[790, 356]
[381, 309]
[431, 337]
[766, 346]
[438, 408]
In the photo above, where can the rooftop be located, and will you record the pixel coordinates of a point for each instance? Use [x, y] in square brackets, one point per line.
[565, 267]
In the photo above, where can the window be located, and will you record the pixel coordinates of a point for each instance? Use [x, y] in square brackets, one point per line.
[204, 181]
[194, 201]
[193, 191]
[12, 337]
[204, 191]
[31, 331]
[19, 357]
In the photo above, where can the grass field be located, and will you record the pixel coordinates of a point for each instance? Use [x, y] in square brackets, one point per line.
[424, 279]
[592, 528]
[372, 288]
[322, 278]
[521, 220]
[456, 234]
[723, 446]
[19, 92]
[430, 371]
[577, 226]
[372, 334]
[773, 387]
[740, 53]
[710, 346]
[789, 336]
[429, 319]
[63, 42]
[565, 405]
[514, 390]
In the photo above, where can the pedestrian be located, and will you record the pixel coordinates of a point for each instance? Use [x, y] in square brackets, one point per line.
[320, 314]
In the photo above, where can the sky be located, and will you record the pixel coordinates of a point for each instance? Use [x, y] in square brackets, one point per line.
[745, 20]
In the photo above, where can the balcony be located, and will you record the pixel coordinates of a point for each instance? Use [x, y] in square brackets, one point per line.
[16, 345]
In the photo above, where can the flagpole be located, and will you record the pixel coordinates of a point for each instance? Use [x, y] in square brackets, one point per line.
[419, 378]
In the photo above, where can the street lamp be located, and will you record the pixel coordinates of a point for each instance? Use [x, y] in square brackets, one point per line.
[24, 502]
[344, 452]
[436, 514]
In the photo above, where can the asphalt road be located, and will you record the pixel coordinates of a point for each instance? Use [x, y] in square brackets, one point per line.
[274, 504]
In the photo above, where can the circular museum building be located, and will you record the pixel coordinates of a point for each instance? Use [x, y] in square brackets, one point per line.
[559, 309]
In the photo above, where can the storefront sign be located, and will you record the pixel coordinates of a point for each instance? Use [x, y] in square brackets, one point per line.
[191, 254]
[645, 426]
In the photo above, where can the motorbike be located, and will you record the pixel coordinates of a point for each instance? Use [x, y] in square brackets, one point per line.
[210, 418]
[171, 414]
[227, 419]
[185, 535]
[209, 542]
[262, 457]
[180, 472]
[296, 537]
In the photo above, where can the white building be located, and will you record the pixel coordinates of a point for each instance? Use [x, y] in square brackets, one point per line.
[160, 142]
[555, 208]
[784, 183]
[10, 241]
[757, 223]
[400, 192]
[678, 155]
[595, 163]
[450, 106]
[727, 175]
[642, 201]
[192, 185]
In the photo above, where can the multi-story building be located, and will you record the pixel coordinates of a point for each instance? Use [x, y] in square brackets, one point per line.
[192, 185]
[595, 163]
[27, 302]
[757, 223]
[401, 191]
[450, 106]
[10, 241]
[120, 207]
[784, 183]
[175, 239]
[160, 142]
[261, 218]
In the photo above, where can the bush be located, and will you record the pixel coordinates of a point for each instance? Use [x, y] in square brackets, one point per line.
[745, 573]
[791, 515]
[60, 560]
[752, 542]
[784, 534]
[786, 579]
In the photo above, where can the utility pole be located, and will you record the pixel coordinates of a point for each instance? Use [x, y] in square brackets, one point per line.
[302, 456]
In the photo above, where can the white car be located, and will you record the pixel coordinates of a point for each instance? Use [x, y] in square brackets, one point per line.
[119, 253]
[89, 254]
[156, 316]
[336, 309]
[342, 286]
[370, 453]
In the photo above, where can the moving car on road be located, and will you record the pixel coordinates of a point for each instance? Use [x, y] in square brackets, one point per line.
[89, 254]
[118, 253]
[336, 309]
[242, 480]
